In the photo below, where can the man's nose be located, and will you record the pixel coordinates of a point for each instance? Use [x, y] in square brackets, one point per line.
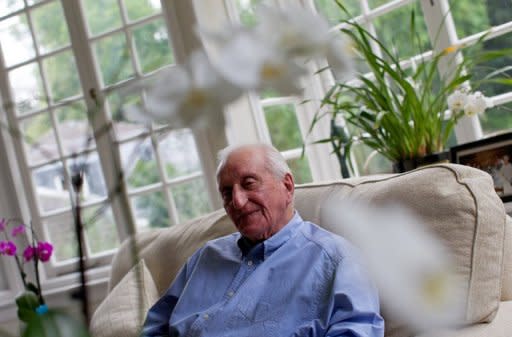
[239, 197]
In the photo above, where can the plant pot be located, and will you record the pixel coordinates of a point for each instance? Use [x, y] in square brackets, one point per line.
[409, 164]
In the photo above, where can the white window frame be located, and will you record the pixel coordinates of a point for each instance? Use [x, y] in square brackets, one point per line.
[179, 18]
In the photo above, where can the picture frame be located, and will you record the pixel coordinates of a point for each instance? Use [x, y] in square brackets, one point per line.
[493, 155]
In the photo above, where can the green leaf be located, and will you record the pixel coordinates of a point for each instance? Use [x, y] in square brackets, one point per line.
[55, 323]
[27, 303]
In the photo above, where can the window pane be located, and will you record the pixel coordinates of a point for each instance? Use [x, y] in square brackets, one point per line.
[179, 154]
[300, 170]
[117, 104]
[140, 165]
[330, 10]
[497, 119]
[51, 191]
[283, 126]
[114, 59]
[74, 131]
[100, 229]
[27, 88]
[39, 139]
[246, 11]
[479, 73]
[394, 31]
[150, 211]
[191, 199]
[370, 162]
[16, 40]
[7, 7]
[138, 9]
[102, 15]
[94, 187]
[152, 45]
[62, 236]
[472, 17]
[50, 27]
[62, 75]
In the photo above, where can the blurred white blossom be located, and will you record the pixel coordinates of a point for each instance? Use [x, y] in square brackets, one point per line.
[300, 33]
[411, 268]
[457, 100]
[461, 100]
[476, 104]
[191, 95]
[250, 63]
[296, 31]
[271, 55]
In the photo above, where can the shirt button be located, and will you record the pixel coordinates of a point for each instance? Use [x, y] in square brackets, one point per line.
[231, 293]
[249, 263]
[206, 316]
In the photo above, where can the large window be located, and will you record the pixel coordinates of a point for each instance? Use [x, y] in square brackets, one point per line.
[64, 67]
[388, 20]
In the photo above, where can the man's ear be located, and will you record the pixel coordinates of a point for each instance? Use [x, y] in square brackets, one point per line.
[289, 184]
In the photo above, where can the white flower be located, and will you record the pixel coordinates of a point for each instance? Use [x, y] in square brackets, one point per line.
[295, 30]
[457, 100]
[300, 33]
[476, 104]
[192, 95]
[412, 268]
[252, 64]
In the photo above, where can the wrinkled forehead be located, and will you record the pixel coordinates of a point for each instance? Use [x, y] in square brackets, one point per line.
[241, 163]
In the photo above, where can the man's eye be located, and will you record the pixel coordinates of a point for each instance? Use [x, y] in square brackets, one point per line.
[226, 196]
[249, 183]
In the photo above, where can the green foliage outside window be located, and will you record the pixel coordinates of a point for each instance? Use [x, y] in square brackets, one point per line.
[283, 127]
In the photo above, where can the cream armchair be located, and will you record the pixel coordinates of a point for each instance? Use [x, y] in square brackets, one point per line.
[458, 203]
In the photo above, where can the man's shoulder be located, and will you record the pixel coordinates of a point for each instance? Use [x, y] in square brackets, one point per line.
[221, 243]
[334, 245]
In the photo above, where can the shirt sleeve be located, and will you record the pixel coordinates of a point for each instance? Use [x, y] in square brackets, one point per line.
[157, 319]
[355, 306]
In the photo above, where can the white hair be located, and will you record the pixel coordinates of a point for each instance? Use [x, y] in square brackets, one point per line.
[274, 160]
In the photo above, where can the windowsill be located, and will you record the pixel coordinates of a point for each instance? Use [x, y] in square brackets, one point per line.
[58, 292]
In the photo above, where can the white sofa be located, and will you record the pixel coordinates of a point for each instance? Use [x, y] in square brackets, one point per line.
[457, 202]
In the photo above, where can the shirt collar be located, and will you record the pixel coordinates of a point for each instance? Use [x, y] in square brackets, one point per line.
[267, 247]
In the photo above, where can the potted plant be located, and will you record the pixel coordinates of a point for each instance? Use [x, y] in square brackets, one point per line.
[404, 110]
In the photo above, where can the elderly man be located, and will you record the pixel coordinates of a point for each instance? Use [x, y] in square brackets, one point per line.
[278, 276]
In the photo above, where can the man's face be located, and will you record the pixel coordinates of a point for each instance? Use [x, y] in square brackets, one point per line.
[257, 202]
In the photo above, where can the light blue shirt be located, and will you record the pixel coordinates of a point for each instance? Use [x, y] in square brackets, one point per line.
[302, 281]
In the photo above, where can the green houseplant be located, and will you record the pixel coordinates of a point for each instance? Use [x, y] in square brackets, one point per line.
[403, 110]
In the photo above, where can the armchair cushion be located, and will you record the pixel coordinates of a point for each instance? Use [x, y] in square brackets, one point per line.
[118, 314]
[457, 203]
